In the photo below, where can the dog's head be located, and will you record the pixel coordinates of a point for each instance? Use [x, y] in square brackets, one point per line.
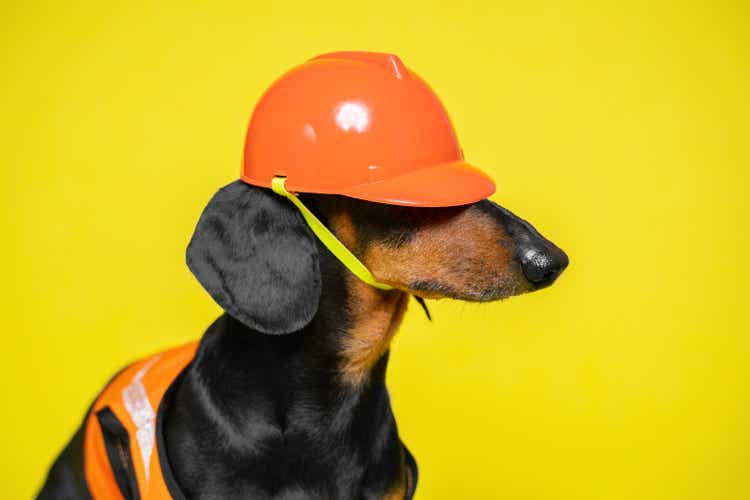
[256, 257]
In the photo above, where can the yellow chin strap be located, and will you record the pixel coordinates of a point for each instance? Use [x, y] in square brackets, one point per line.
[328, 239]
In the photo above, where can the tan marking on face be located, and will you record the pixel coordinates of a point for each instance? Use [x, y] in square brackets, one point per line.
[464, 253]
[376, 316]
[343, 227]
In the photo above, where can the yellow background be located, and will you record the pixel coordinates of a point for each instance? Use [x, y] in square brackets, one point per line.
[619, 129]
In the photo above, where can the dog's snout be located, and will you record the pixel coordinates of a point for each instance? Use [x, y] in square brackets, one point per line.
[542, 265]
[540, 260]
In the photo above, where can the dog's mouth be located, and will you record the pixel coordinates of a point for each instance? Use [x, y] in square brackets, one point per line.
[480, 291]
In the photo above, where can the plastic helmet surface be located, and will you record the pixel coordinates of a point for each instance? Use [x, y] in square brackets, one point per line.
[360, 124]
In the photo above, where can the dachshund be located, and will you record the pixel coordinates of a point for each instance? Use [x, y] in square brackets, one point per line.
[285, 396]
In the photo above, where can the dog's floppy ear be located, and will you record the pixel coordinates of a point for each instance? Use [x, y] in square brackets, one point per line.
[254, 254]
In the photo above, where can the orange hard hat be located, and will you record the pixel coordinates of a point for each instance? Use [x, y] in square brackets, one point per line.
[360, 124]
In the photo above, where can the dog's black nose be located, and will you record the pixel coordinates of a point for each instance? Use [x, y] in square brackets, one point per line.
[542, 265]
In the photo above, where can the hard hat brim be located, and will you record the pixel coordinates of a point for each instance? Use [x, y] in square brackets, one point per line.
[443, 185]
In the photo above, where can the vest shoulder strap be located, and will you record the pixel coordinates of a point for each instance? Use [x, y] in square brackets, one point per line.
[120, 456]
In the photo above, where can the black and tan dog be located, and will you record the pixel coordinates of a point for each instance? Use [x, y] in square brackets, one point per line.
[306, 414]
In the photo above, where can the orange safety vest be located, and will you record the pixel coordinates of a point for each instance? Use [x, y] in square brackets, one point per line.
[120, 430]
[123, 457]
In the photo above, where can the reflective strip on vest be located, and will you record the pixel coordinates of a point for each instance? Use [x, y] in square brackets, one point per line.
[133, 397]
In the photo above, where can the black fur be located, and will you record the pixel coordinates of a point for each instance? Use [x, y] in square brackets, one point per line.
[254, 254]
[260, 416]
[66, 476]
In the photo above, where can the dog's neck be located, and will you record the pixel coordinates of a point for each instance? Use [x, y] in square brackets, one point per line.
[314, 400]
